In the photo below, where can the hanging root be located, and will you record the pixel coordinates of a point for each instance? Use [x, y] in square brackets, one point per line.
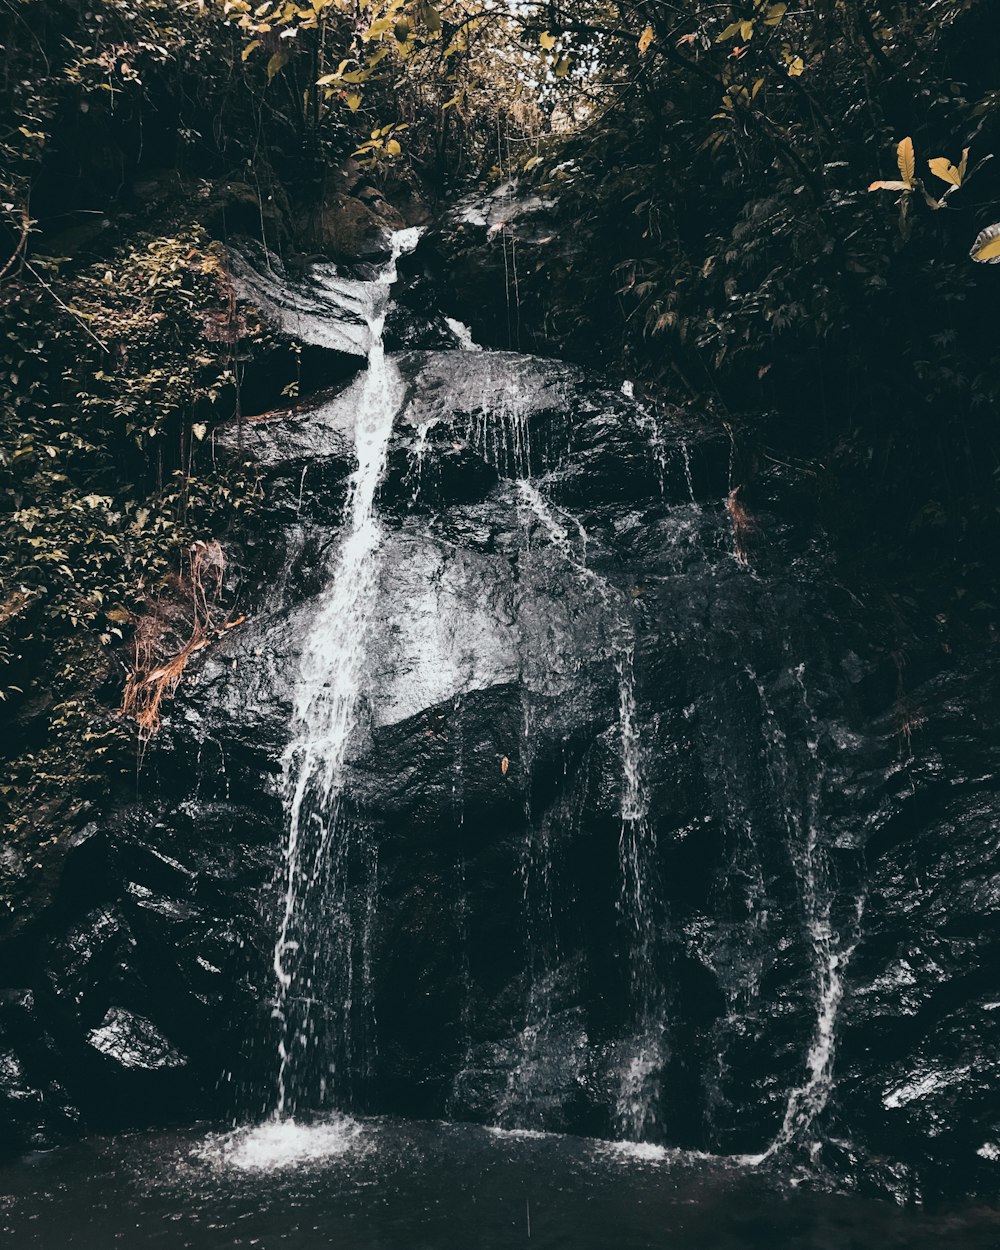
[189, 605]
[744, 527]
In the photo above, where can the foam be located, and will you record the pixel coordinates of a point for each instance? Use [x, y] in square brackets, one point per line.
[277, 1144]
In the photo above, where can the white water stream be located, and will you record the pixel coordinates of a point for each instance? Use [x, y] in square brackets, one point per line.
[328, 691]
[641, 1055]
[321, 956]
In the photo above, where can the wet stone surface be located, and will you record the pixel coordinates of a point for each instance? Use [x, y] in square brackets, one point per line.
[631, 818]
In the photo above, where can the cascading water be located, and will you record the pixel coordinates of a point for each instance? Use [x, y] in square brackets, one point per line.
[831, 951]
[510, 593]
[641, 1055]
[635, 1108]
[321, 960]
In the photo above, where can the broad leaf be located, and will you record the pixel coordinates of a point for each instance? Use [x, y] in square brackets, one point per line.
[645, 39]
[276, 64]
[964, 163]
[986, 248]
[942, 168]
[733, 28]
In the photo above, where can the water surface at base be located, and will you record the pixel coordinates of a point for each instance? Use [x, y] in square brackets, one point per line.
[386, 1185]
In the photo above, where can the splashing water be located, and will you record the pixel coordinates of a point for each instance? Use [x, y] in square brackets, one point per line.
[278, 1144]
[463, 335]
[315, 953]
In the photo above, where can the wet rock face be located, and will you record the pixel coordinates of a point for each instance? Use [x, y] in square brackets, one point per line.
[630, 836]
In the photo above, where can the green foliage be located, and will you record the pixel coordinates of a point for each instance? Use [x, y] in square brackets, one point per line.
[107, 379]
[128, 124]
[711, 165]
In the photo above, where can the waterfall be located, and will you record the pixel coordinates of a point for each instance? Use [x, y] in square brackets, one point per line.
[641, 1055]
[831, 951]
[639, 1081]
[556, 1037]
[321, 956]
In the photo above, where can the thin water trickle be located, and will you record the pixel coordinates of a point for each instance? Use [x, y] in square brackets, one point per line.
[319, 946]
[641, 1055]
[686, 458]
[635, 1110]
[418, 454]
[831, 951]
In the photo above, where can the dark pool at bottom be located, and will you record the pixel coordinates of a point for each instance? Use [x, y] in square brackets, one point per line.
[391, 1185]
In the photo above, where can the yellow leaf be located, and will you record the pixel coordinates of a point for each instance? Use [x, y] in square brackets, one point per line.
[354, 103]
[504, 765]
[986, 248]
[964, 163]
[251, 46]
[746, 30]
[774, 14]
[889, 185]
[795, 67]
[733, 28]
[547, 41]
[393, 148]
[942, 168]
[199, 430]
[645, 39]
[276, 64]
[562, 67]
[905, 160]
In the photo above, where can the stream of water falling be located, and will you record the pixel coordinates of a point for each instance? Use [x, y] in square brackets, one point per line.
[635, 1112]
[320, 956]
[831, 950]
[641, 1055]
